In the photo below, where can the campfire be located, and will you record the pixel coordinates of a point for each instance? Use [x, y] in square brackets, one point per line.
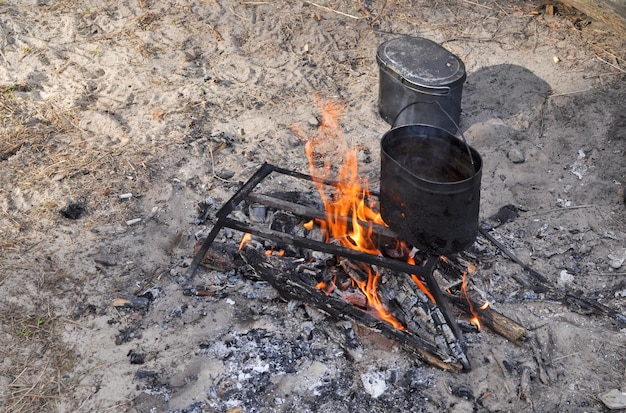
[330, 248]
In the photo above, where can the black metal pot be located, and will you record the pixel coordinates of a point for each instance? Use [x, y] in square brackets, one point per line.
[430, 188]
[413, 72]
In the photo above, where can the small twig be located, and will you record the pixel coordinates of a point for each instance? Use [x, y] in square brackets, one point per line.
[541, 365]
[499, 363]
[1, 53]
[611, 64]
[218, 35]
[502, 9]
[215, 175]
[333, 10]
[563, 357]
[547, 211]
[478, 4]
[536, 37]
[63, 67]
[4, 57]
[606, 51]
[471, 39]
[363, 9]
[524, 386]
[117, 406]
[573, 92]
[542, 115]
[11, 151]
[84, 401]
[380, 13]
[369, 15]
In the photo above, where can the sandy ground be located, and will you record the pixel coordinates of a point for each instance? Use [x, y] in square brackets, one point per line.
[176, 102]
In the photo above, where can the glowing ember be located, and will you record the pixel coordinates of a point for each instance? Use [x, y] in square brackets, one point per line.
[321, 285]
[309, 225]
[471, 268]
[326, 287]
[247, 237]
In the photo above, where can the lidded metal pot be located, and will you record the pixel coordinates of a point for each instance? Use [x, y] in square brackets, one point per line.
[414, 72]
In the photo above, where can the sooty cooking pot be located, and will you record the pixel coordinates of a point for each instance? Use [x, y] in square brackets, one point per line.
[430, 188]
[413, 72]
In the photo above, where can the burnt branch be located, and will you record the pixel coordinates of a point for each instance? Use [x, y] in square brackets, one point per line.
[541, 285]
[496, 322]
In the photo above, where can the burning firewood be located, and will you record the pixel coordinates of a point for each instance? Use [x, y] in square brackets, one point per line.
[292, 285]
[487, 316]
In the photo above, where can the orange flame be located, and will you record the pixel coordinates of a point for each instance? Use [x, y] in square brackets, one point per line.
[350, 199]
[474, 320]
[326, 287]
[246, 237]
[471, 268]
[278, 253]
[416, 279]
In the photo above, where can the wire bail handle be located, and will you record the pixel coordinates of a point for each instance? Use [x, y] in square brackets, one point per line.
[458, 129]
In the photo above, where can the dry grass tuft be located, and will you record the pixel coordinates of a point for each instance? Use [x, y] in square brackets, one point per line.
[37, 375]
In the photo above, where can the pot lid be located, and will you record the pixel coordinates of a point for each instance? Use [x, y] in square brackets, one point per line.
[420, 62]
